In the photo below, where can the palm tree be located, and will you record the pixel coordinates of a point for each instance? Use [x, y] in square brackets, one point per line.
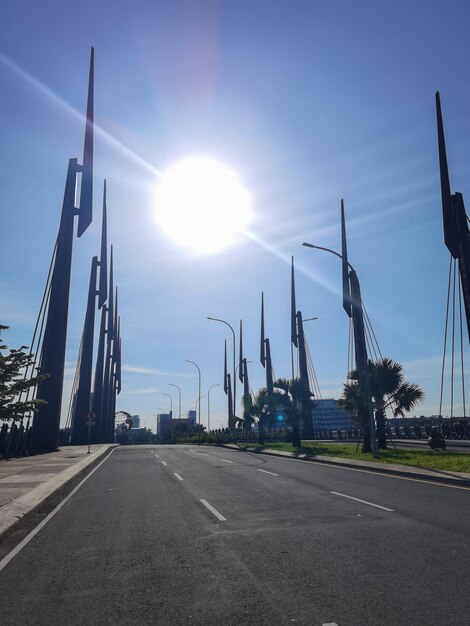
[388, 390]
[296, 400]
[262, 407]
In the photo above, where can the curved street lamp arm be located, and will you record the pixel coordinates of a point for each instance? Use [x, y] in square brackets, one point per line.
[188, 361]
[179, 394]
[310, 245]
[199, 387]
[216, 319]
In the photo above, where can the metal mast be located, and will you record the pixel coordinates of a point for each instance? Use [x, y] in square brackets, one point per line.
[352, 304]
[82, 404]
[52, 358]
[243, 376]
[298, 340]
[455, 221]
[265, 353]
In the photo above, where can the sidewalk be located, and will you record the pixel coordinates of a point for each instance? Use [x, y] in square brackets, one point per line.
[456, 478]
[26, 482]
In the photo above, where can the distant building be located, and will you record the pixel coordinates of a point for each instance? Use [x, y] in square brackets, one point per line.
[136, 421]
[166, 423]
[327, 415]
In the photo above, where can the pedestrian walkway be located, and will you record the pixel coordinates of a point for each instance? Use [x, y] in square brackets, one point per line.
[26, 482]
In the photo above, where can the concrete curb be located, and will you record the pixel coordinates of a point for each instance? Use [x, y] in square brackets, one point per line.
[400, 470]
[27, 504]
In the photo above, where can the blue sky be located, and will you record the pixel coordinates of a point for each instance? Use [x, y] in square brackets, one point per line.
[309, 102]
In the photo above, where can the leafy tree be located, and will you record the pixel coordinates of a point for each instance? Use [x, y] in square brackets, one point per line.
[140, 436]
[13, 384]
[296, 400]
[262, 408]
[247, 402]
[388, 389]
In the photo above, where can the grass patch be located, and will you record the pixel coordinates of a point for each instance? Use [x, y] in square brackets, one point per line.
[428, 459]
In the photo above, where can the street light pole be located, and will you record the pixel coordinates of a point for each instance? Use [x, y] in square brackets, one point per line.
[209, 406]
[179, 402]
[198, 403]
[171, 403]
[199, 392]
[215, 319]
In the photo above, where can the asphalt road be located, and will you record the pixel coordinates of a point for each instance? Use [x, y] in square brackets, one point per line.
[198, 535]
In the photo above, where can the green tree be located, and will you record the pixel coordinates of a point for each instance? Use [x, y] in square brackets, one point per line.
[13, 384]
[140, 436]
[247, 403]
[388, 389]
[297, 402]
[262, 408]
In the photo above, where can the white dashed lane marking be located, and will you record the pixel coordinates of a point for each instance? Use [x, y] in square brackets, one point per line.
[163, 463]
[377, 506]
[227, 461]
[266, 472]
[177, 476]
[218, 515]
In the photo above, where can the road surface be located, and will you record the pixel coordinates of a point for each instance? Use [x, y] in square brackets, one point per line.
[203, 535]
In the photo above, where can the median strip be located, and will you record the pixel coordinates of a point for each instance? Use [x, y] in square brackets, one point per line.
[218, 515]
[177, 476]
[377, 506]
[266, 472]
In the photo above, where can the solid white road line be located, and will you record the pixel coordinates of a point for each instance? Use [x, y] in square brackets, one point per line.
[227, 461]
[4, 562]
[163, 463]
[266, 472]
[220, 517]
[177, 476]
[377, 506]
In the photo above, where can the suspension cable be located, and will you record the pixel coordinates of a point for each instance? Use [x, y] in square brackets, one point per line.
[353, 354]
[349, 348]
[319, 406]
[368, 322]
[28, 372]
[312, 373]
[292, 359]
[368, 342]
[68, 422]
[453, 349]
[445, 338]
[461, 354]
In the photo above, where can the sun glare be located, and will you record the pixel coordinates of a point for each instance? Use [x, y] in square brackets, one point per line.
[201, 204]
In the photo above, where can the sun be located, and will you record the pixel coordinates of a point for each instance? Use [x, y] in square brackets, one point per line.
[201, 204]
